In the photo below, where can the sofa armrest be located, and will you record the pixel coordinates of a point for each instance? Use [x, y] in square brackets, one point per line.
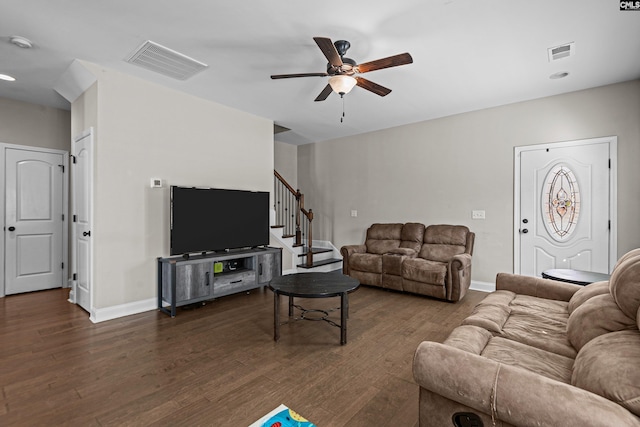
[536, 287]
[459, 276]
[346, 251]
[511, 394]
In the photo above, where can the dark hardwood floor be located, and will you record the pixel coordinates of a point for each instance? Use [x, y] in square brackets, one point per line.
[216, 365]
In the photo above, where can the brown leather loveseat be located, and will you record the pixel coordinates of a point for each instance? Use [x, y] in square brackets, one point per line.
[434, 261]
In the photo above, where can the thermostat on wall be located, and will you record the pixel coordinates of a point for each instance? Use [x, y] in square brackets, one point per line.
[156, 183]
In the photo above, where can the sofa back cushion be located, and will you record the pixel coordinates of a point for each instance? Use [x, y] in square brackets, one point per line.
[587, 292]
[597, 316]
[442, 242]
[624, 285]
[381, 238]
[411, 236]
[608, 366]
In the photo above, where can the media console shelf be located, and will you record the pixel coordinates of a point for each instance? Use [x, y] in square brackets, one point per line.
[183, 281]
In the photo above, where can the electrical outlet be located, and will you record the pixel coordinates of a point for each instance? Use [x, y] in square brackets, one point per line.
[156, 183]
[477, 215]
[354, 213]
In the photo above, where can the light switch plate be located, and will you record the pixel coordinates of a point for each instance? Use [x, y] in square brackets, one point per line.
[477, 215]
[156, 183]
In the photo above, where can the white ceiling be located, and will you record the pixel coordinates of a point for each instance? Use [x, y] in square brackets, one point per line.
[468, 54]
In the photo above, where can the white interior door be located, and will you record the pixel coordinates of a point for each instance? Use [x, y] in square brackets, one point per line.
[564, 215]
[82, 184]
[34, 220]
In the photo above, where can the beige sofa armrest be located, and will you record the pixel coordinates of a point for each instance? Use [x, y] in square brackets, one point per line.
[459, 280]
[347, 250]
[511, 394]
[536, 287]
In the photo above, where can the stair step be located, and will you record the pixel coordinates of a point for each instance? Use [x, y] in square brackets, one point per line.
[319, 263]
[314, 251]
[288, 235]
[277, 226]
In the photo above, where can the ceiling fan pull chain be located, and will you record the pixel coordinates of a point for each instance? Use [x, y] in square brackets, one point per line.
[342, 118]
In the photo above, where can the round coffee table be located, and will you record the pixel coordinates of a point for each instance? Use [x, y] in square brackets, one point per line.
[313, 285]
[577, 277]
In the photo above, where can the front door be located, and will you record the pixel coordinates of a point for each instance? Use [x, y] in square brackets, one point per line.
[34, 220]
[564, 215]
[82, 184]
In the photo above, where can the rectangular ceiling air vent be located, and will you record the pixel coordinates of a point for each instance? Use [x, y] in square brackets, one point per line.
[561, 51]
[163, 60]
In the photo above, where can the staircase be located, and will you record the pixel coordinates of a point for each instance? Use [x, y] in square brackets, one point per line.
[292, 229]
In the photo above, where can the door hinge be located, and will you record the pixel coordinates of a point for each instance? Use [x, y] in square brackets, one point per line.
[75, 276]
[63, 217]
[609, 225]
[62, 167]
[75, 218]
[63, 265]
[609, 163]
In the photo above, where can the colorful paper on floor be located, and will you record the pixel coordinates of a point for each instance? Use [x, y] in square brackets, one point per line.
[282, 417]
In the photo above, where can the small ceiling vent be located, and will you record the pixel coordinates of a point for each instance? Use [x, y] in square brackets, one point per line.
[160, 59]
[561, 51]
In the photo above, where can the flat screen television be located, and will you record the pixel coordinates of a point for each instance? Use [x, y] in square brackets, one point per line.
[210, 219]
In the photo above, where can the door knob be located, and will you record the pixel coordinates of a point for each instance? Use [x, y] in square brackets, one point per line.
[86, 233]
[525, 231]
[12, 228]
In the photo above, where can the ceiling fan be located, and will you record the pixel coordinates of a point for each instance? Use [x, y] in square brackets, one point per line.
[344, 72]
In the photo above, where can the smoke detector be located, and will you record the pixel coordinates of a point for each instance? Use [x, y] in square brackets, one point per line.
[21, 42]
[562, 51]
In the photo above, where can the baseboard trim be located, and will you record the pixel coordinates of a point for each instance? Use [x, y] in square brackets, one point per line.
[482, 286]
[109, 313]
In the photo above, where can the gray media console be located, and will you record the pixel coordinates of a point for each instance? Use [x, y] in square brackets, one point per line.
[198, 278]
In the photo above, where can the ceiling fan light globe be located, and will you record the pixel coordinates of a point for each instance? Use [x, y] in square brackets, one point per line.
[342, 84]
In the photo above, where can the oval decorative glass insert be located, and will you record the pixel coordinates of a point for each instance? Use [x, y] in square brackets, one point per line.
[560, 202]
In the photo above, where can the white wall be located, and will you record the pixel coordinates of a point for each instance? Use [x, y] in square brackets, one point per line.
[286, 161]
[23, 123]
[146, 131]
[438, 171]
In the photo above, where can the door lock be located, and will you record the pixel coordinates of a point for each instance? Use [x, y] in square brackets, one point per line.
[12, 228]
[524, 221]
[86, 233]
[525, 231]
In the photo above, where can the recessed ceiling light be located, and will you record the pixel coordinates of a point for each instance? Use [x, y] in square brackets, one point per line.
[7, 78]
[560, 75]
[21, 42]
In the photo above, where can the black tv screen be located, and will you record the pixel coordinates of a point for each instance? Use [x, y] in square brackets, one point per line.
[209, 219]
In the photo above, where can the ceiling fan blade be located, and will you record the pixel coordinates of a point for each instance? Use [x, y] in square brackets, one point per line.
[329, 51]
[372, 87]
[324, 94]
[391, 61]
[290, 76]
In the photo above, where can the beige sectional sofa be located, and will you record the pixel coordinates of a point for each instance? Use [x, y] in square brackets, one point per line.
[538, 352]
[434, 261]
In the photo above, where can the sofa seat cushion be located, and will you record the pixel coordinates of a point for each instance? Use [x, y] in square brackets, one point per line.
[550, 365]
[540, 330]
[424, 271]
[371, 263]
[608, 366]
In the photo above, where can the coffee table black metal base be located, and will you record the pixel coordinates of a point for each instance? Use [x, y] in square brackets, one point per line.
[313, 285]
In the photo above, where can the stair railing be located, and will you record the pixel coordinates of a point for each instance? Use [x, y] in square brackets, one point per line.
[292, 215]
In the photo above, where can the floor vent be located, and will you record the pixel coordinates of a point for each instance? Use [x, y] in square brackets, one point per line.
[160, 59]
[562, 51]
